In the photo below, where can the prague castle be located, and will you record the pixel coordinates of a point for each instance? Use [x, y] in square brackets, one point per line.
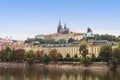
[63, 48]
[61, 30]
[92, 44]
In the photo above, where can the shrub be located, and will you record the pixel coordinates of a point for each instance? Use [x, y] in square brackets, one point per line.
[60, 57]
[29, 57]
[86, 61]
[8, 54]
[46, 59]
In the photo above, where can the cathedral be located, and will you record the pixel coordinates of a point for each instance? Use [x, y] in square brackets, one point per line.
[61, 30]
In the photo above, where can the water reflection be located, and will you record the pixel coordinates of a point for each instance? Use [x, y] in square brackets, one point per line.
[56, 74]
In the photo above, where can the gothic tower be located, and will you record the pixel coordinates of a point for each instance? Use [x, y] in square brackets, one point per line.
[59, 27]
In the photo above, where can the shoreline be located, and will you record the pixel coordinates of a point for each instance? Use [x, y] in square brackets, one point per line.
[59, 65]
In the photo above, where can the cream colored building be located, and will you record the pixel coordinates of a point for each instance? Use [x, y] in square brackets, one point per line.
[93, 48]
[72, 50]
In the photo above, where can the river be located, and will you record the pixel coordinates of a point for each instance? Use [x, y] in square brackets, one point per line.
[57, 74]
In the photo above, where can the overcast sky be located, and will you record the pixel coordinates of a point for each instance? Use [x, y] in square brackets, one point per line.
[26, 18]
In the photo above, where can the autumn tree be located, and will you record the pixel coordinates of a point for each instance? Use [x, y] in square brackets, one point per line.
[2, 54]
[53, 55]
[18, 55]
[39, 55]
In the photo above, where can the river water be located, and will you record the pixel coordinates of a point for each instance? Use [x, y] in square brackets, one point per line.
[57, 74]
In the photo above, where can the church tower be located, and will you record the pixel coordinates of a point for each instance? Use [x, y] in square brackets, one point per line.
[59, 27]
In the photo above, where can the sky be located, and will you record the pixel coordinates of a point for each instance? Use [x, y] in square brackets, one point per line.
[26, 18]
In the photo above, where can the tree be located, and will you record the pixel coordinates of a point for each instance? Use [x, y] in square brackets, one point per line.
[86, 60]
[2, 55]
[94, 58]
[105, 52]
[119, 45]
[75, 58]
[71, 40]
[29, 57]
[84, 52]
[19, 55]
[60, 57]
[53, 55]
[67, 57]
[8, 54]
[112, 63]
[46, 59]
[106, 37]
[116, 54]
[115, 59]
[39, 55]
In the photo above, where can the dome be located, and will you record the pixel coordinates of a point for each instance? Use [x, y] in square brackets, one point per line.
[89, 34]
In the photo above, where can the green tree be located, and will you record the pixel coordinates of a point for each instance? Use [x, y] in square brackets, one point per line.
[67, 57]
[60, 57]
[119, 45]
[46, 59]
[75, 58]
[112, 63]
[105, 52]
[8, 54]
[94, 58]
[84, 52]
[86, 60]
[116, 54]
[29, 57]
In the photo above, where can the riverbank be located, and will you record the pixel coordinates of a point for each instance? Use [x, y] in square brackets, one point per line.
[59, 65]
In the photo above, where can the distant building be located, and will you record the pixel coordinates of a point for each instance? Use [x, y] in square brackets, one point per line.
[39, 37]
[78, 36]
[89, 34]
[94, 48]
[61, 30]
[65, 37]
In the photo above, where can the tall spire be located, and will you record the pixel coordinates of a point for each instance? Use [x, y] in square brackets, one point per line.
[59, 27]
[59, 22]
[65, 26]
[89, 29]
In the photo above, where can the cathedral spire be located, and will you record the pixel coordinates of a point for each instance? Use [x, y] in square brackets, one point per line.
[59, 22]
[59, 27]
[65, 26]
